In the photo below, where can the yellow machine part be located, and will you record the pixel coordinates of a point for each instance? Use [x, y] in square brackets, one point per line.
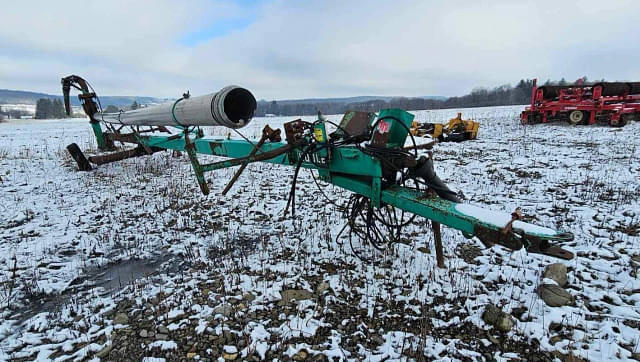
[471, 128]
[455, 125]
[438, 129]
[414, 128]
[468, 127]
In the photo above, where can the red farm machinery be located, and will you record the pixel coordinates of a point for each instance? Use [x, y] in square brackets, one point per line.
[612, 103]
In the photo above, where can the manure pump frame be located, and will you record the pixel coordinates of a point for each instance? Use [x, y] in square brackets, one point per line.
[366, 154]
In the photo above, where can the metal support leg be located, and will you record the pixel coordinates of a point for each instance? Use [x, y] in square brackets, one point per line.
[438, 238]
[197, 168]
[244, 164]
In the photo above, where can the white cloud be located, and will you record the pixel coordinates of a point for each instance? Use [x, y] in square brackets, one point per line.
[316, 48]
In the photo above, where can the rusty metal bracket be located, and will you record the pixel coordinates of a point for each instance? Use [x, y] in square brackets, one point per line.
[122, 155]
[267, 134]
[543, 246]
[516, 215]
[438, 239]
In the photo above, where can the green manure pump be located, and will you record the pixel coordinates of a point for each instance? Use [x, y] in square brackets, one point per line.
[391, 184]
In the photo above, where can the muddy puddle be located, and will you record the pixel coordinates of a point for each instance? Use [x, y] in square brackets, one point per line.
[109, 279]
[114, 277]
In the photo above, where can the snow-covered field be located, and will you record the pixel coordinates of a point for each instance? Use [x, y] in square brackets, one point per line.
[29, 108]
[130, 261]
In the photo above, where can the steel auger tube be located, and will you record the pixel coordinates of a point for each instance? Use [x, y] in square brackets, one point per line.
[231, 107]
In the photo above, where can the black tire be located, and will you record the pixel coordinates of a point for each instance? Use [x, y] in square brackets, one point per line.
[624, 119]
[577, 117]
[456, 137]
[78, 156]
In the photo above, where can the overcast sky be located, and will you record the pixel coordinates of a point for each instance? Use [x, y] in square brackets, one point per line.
[302, 49]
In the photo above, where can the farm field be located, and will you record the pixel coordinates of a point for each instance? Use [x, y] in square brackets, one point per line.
[131, 262]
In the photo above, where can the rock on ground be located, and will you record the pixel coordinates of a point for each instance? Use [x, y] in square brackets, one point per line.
[496, 317]
[556, 272]
[554, 296]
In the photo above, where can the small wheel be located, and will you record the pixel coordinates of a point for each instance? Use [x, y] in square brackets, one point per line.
[624, 119]
[576, 117]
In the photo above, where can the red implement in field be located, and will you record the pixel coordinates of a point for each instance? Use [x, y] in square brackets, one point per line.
[612, 103]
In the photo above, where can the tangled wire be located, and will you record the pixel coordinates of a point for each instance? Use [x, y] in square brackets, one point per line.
[381, 226]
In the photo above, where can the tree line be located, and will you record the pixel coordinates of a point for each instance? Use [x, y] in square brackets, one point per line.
[479, 97]
[48, 109]
[53, 109]
[113, 109]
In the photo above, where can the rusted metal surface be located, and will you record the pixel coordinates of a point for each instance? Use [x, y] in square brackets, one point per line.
[355, 123]
[438, 239]
[121, 137]
[516, 215]
[507, 238]
[491, 237]
[214, 145]
[294, 132]
[267, 134]
[88, 105]
[542, 246]
[424, 146]
[121, 155]
[381, 134]
[256, 158]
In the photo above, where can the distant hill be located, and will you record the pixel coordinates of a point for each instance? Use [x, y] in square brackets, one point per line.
[347, 100]
[8, 96]
[478, 97]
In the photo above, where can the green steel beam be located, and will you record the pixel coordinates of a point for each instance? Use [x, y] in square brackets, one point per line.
[97, 131]
[360, 173]
[348, 160]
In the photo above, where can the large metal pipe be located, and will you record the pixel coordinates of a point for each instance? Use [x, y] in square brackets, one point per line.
[614, 88]
[634, 88]
[231, 107]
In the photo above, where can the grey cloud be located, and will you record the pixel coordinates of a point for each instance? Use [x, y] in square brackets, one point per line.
[317, 48]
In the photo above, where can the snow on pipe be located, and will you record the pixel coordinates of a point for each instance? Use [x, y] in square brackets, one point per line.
[231, 107]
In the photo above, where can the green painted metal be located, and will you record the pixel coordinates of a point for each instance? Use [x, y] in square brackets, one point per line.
[349, 168]
[347, 160]
[198, 169]
[397, 133]
[433, 208]
[97, 132]
[439, 210]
